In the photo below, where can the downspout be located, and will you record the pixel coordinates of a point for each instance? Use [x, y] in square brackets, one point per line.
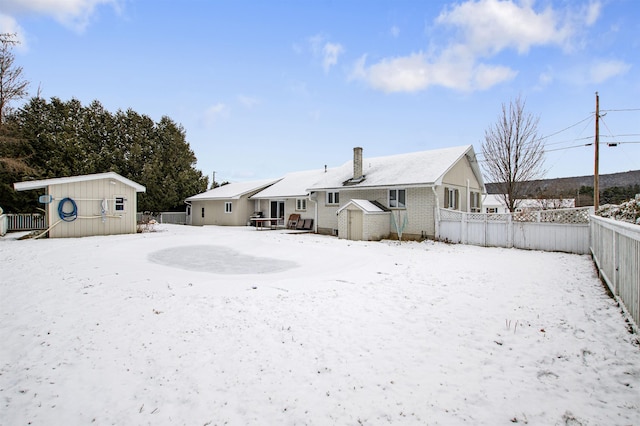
[437, 214]
[313, 197]
[468, 198]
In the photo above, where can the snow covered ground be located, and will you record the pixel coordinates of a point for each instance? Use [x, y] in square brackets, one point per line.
[225, 325]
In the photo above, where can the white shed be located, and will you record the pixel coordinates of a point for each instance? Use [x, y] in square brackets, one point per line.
[80, 206]
[363, 220]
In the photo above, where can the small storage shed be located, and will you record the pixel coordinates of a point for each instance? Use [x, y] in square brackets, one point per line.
[81, 206]
[363, 220]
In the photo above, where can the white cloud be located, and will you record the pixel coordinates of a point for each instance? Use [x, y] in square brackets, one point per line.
[415, 72]
[75, 14]
[9, 25]
[394, 31]
[326, 51]
[481, 30]
[545, 78]
[486, 76]
[604, 70]
[247, 101]
[330, 53]
[215, 113]
[490, 26]
[593, 13]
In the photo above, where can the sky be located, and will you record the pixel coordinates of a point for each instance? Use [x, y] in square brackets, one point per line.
[267, 88]
[203, 326]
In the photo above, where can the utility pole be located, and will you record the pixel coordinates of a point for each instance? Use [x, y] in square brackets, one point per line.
[596, 186]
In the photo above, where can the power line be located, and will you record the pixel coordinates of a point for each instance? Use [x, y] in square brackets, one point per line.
[588, 118]
[620, 110]
[565, 129]
[610, 144]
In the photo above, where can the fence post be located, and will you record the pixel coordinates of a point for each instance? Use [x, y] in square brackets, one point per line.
[463, 230]
[616, 263]
[510, 230]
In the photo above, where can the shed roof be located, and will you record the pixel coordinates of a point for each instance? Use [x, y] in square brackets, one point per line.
[417, 168]
[366, 206]
[233, 191]
[39, 184]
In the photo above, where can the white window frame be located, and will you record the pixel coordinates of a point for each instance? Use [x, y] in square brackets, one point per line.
[333, 198]
[395, 202]
[119, 204]
[228, 207]
[301, 204]
[451, 198]
[475, 202]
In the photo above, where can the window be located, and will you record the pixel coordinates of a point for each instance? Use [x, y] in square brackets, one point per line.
[203, 212]
[492, 210]
[333, 198]
[119, 204]
[475, 202]
[397, 198]
[228, 207]
[450, 198]
[301, 204]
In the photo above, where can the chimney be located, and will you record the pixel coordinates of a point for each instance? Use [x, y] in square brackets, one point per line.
[357, 163]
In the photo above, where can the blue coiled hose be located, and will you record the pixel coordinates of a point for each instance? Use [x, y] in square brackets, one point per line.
[68, 216]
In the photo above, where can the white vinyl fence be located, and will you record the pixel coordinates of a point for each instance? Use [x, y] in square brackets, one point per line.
[565, 230]
[178, 218]
[615, 247]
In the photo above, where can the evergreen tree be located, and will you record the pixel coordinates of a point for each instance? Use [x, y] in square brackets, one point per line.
[67, 139]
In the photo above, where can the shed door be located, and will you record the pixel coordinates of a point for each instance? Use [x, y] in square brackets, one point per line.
[188, 214]
[354, 225]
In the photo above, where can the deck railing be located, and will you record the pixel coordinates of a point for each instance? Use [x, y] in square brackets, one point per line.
[25, 221]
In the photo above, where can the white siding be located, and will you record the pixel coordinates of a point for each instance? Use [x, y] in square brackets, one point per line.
[88, 196]
[420, 208]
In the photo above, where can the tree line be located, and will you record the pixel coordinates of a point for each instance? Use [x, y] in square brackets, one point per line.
[56, 138]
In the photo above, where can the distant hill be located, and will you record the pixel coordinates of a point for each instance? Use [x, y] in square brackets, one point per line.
[571, 187]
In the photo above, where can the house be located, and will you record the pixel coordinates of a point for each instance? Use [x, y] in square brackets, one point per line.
[229, 204]
[494, 203]
[365, 198]
[80, 206]
[407, 189]
[290, 196]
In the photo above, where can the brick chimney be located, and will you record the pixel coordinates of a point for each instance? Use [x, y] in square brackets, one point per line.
[357, 163]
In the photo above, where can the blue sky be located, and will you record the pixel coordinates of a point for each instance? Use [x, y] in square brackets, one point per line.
[263, 88]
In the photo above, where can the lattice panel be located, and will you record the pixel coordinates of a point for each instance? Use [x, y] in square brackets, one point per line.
[580, 215]
[553, 216]
[446, 214]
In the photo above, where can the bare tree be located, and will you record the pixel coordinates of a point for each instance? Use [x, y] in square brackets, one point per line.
[513, 152]
[12, 85]
[13, 149]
